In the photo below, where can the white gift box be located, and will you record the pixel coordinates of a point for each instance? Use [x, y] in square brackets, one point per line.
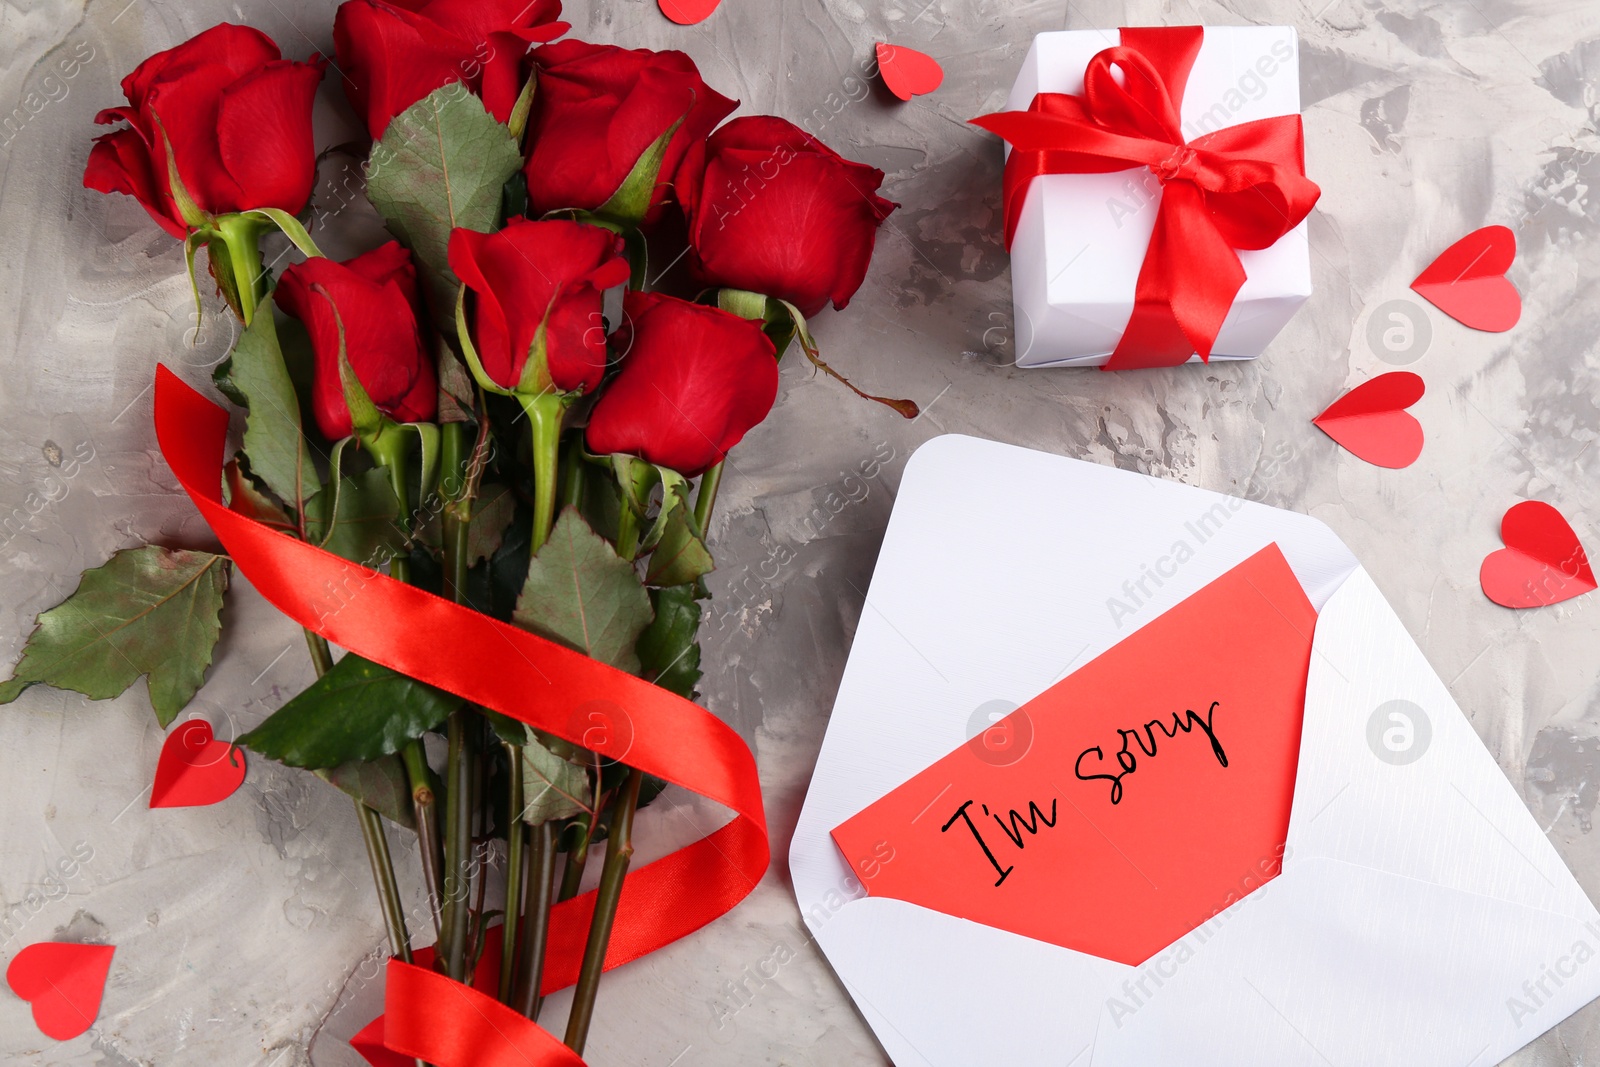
[1081, 238]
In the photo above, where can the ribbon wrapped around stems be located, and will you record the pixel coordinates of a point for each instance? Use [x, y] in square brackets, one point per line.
[530, 679]
[1240, 187]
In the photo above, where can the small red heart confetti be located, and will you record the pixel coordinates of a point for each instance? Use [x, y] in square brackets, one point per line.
[1543, 562]
[1372, 423]
[195, 770]
[1468, 281]
[63, 982]
[908, 72]
[687, 12]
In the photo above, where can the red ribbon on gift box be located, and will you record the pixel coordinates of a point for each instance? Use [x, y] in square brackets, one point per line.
[1239, 187]
[543, 684]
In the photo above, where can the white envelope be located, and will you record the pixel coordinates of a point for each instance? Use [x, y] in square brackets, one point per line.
[1421, 917]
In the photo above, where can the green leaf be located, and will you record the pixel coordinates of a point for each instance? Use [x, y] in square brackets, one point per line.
[149, 610]
[492, 512]
[291, 227]
[245, 497]
[674, 496]
[552, 788]
[580, 593]
[631, 201]
[440, 165]
[359, 710]
[511, 731]
[357, 518]
[681, 555]
[257, 377]
[669, 650]
[455, 390]
[380, 784]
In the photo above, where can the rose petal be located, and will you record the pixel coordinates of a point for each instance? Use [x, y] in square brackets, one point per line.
[773, 210]
[694, 381]
[391, 58]
[120, 163]
[236, 50]
[531, 271]
[381, 338]
[503, 76]
[264, 135]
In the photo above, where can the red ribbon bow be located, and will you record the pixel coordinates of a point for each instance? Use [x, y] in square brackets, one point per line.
[538, 682]
[1242, 186]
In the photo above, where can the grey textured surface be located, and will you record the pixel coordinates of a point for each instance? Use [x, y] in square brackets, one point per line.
[247, 932]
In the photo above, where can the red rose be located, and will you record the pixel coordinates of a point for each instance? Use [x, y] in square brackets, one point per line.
[773, 210]
[376, 297]
[394, 54]
[538, 287]
[237, 116]
[694, 381]
[598, 108]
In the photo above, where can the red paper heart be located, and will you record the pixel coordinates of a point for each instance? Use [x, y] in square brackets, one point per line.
[1371, 421]
[63, 982]
[1468, 281]
[908, 72]
[687, 12]
[194, 769]
[1543, 561]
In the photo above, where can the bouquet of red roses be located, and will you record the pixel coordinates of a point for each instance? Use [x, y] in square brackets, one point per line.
[492, 434]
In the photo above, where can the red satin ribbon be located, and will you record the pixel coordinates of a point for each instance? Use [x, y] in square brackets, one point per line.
[1242, 186]
[530, 679]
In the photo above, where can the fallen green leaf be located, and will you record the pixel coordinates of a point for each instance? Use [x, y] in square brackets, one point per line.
[147, 611]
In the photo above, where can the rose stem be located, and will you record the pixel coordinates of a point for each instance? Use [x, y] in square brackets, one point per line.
[427, 812]
[241, 236]
[514, 838]
[530, 920]
[389, 451]
[619, 850]
[394, 918]
[457, 840]
[541, 874]
[710, 481]
[545, 413]
[572, 873]
[458, 771]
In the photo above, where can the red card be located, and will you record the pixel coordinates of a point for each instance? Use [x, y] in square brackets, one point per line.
[1155, 793]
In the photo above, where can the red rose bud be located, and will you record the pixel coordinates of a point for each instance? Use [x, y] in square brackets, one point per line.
[538, 288]
[237, 117]
[376, 298]
[394, 54]
[598, 108]
[773, 210]
[695, 379]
